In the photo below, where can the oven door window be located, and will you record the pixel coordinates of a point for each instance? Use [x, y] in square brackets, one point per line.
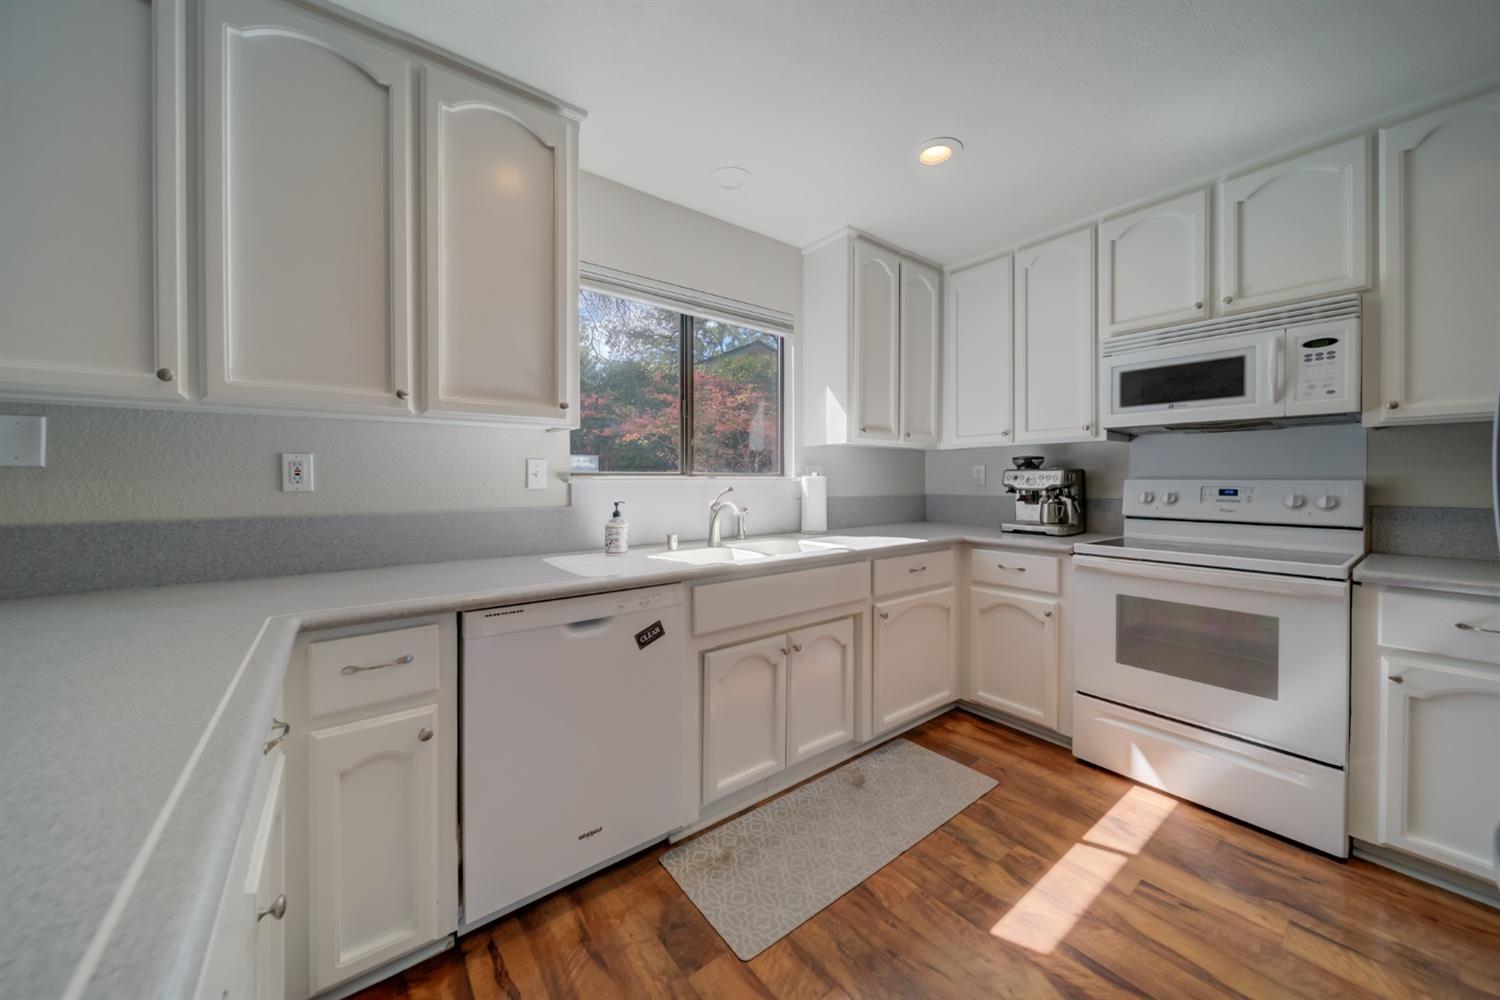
[1160, 386]
[1233, 650]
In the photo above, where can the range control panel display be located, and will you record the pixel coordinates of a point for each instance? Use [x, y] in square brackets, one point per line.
[1226, 494]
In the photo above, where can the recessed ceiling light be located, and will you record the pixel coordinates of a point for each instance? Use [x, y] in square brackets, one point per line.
[939, 150]
[731, 178]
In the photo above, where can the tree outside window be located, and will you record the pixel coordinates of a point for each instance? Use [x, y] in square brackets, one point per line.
[666, 392]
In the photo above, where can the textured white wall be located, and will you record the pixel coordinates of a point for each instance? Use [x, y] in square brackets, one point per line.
[1439, 465]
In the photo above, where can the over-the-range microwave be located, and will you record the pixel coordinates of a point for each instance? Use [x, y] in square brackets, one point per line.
[1294, 364]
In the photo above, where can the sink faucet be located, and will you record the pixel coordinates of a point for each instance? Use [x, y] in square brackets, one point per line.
[716, 511]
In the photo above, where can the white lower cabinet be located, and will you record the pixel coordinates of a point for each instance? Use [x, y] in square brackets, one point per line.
[744, 715]
[773, 702]
[915, 638]
[374, 818]
[247, 947]
[1442, 739]
[1013, 654]
[820, 689]
[1425, 726]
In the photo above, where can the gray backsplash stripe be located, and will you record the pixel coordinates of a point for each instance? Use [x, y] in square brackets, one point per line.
[856, 512]
[959, 508]
[1440, 532]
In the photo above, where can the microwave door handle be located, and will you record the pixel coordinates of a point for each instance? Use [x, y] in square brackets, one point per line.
[1276, 369]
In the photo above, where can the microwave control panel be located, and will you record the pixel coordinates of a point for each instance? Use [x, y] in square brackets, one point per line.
[1323, 369]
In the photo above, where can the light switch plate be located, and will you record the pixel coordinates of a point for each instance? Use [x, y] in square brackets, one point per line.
[296, 472]
[977, 475]
[536, 473]
[23, 441]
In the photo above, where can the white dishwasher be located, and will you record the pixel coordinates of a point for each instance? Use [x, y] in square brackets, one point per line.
[572, 739]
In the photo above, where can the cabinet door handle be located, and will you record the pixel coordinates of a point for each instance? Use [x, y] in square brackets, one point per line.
[1087, 426]
[424, 735]
[796, 648]
[276, 910]
[1005, 434]
[1010, 569]
[1392, 404]
[562, 406]
[1396, 679]
[917, 569]
[279, 738]
[1197, 305]
[1228, 299]
[1046, 614]
[166, 375]
[402, 394]
[1465, 626]
[399, 661]
[885, 614]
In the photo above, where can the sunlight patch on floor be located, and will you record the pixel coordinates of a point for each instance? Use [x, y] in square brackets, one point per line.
[1043, 917]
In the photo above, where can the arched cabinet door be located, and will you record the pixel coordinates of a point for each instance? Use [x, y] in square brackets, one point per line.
[374, 818]
[820, 689]
[915, 639]
[877, 343]
[306, 202]
[1013, 654]
[921, 306]
[1153, 265]
[1439, 240]
[500, 267]
[1054, 348]
[744, 715]
[1295, 230]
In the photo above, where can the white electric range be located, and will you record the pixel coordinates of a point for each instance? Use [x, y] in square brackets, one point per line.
[1212, 647]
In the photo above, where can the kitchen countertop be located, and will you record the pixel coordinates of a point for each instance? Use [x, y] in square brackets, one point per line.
[130, 718]
[1456, 576]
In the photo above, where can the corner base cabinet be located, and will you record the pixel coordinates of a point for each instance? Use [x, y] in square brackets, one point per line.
[1013, 654]
[915, 640]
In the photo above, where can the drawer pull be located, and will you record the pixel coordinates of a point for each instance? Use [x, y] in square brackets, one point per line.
[1396, 679]
[276, 910]
[278, 739]
[397, 662]
[917, 569]
[1010, 569]
[1465, 626]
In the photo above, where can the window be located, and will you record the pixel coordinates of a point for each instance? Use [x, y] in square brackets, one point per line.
[667, 392]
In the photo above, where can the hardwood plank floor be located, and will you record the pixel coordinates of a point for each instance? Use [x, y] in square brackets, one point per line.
[1064, 881]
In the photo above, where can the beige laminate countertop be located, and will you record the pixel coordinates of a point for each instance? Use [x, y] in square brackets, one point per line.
[131, 722]
[1456, 576]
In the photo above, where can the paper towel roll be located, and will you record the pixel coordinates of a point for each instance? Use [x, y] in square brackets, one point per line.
[814, 503]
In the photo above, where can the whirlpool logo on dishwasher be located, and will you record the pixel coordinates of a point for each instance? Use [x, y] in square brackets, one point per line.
[585, 835]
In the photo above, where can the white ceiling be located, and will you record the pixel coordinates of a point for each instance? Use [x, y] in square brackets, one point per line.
[1065, 108]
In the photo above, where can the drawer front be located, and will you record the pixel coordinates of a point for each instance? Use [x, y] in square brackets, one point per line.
[717, 606]
[1296, 798]
[1025, 570]
[361, 670]
[919, 572]
[1441, 624]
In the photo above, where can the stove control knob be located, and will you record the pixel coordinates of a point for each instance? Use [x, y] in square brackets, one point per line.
[1145, 496]
[1169, 498]
[1294, 501]
[1327, 501]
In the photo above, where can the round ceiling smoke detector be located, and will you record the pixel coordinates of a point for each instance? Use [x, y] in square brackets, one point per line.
[938, 151]
[731, 178]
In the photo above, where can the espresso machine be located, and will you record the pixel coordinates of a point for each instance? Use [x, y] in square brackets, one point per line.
[1048, 501]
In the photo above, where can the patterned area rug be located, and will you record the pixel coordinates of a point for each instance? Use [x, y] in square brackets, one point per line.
[757, 877]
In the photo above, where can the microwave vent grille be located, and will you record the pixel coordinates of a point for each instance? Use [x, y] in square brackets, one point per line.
[1322, 311]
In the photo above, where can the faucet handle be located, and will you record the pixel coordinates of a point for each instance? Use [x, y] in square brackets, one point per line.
[739, 522]
[721, 495]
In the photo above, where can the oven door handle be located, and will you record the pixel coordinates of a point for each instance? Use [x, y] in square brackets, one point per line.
[1260, 583]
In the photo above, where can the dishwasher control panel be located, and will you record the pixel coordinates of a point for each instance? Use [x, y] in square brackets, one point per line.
[567, 611]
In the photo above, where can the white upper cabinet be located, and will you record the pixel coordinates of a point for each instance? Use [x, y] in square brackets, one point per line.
[307, 144]
[976, 356]
[501, 272]
[1054, 352]
[91, 201]
[877, 341]
[1295, 230]
[1439, 354]
[1153, 265]
[870, 345]
[921, 306]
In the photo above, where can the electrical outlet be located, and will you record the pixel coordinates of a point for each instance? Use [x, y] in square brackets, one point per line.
[536, 473]
[296, 473]
[977, 475]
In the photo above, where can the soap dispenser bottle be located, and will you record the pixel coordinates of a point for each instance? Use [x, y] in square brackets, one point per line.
[616, 533]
